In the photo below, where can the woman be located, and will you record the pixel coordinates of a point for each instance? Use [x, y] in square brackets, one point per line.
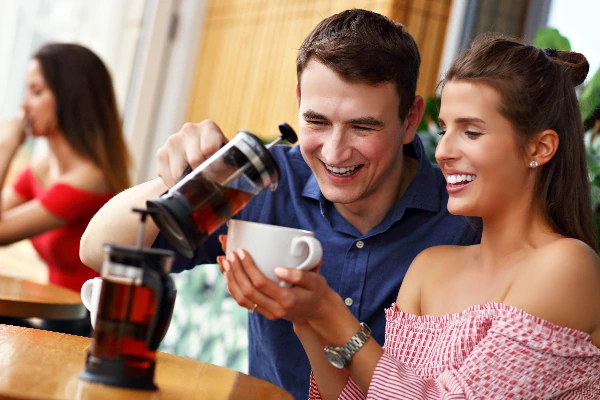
[514, 317]
[70, 101]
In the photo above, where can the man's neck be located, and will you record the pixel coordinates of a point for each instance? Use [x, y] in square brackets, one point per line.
[368, 212]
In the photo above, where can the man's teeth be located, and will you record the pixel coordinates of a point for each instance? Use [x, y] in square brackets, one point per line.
[341, 171]
[454, 179]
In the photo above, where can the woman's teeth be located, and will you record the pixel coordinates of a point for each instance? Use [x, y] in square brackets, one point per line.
[341, 171]
[458, 179]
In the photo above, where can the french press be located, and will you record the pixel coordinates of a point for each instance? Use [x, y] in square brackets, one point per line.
[134, 311]
[205, 198]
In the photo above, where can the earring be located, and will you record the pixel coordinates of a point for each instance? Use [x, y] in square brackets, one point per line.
[533, 164]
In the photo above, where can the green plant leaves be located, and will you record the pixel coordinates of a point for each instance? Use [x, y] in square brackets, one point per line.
[551, 38]
[207, 324]
[589, 99]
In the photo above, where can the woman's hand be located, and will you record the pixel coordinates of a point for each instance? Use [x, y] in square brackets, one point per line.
[249, 286]
[12, 131]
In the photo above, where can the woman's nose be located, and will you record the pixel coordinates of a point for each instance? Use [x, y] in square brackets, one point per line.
[446, 148]
[24, 103]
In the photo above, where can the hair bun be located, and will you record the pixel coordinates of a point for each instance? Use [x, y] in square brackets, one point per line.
[576, 64]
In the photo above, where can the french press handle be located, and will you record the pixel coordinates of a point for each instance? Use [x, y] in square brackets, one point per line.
[164, 292]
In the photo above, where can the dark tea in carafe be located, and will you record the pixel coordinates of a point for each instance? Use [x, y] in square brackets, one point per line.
[124, 316]
[134, 310]
[214, 204]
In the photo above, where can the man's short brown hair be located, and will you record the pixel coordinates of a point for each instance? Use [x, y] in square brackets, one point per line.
[363, 46]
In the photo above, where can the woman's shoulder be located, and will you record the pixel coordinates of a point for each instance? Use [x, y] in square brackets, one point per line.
[560, 282]
[431, 267]
[85, 176]
[88, 178]
[443, 259]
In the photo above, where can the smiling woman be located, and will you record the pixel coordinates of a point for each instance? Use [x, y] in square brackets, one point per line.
[536, 109]
[476, 140]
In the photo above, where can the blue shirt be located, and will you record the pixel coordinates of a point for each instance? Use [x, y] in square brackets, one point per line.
[366, 270]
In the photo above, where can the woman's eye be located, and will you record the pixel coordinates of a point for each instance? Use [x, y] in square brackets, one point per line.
[441, 133]
[473, 134]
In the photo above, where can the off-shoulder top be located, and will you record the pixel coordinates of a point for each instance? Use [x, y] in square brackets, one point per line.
[488, 351]
[59, 247]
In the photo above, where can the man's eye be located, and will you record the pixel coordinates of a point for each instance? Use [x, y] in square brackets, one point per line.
[315, 122]
[363, 128]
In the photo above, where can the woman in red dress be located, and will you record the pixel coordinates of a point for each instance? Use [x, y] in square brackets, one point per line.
[69, 101]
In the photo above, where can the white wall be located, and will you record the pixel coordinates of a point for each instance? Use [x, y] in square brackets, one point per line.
[109, 27]
[578, 21]
[160, 88]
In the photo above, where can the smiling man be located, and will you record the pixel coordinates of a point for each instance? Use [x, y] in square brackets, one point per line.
[359, 179]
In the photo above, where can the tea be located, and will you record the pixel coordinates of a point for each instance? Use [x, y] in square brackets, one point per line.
[213, 204]
[122, 325]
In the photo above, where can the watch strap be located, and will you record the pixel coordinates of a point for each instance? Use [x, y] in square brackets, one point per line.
[349, 349]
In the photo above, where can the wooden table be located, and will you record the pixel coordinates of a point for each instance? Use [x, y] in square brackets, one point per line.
[43, 365]
[24, 299]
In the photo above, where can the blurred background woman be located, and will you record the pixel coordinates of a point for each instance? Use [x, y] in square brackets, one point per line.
[70, 101]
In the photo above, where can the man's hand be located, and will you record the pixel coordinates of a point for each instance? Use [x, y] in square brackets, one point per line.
[192, 145]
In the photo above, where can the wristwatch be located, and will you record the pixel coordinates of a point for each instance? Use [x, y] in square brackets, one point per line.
[340, 356]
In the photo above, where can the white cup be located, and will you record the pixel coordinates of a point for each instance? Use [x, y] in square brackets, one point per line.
[273, 246]
[90, 297]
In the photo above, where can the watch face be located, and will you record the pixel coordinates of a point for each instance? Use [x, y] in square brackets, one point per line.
[334, 358]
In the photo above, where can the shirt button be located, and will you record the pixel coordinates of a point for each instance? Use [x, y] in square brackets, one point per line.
[360, 244]
[348, 301]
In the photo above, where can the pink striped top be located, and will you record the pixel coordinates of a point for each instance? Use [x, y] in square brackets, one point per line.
[489, 351]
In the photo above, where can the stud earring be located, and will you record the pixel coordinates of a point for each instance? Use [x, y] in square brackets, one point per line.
[533, 164]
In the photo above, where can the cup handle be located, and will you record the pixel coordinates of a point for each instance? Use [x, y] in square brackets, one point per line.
[86, 293]
[315, 253]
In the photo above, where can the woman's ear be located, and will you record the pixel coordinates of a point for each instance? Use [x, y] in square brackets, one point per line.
[543, 146]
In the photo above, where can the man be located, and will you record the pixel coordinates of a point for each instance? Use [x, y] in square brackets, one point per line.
[359, 179]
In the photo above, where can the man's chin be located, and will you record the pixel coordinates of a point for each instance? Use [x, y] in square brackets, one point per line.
[339, 197]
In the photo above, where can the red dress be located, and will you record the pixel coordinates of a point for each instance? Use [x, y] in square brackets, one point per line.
[489, 351]
[59, 247]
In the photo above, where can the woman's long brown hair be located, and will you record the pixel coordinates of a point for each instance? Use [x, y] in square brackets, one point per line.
[86, 108]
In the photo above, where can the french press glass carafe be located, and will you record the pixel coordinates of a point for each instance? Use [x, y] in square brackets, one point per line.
[134, 311]
[216, 190]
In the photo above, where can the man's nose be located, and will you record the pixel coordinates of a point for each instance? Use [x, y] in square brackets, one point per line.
[336, 147]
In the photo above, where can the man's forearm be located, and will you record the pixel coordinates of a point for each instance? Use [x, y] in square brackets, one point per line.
[116, 223]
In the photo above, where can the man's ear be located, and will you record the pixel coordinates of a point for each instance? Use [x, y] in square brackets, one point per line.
[298, 93]
[542, 147]
[413, 119]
